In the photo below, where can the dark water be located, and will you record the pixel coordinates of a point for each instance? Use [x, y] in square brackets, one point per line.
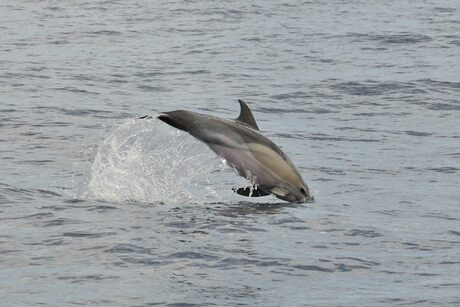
[98, 208]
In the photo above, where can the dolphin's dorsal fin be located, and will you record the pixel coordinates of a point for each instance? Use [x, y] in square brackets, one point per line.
[246, 116]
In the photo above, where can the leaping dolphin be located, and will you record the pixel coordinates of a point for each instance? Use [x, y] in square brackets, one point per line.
[253, 155]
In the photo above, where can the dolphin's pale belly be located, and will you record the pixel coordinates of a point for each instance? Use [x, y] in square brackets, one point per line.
[245, 164]
[248, 160]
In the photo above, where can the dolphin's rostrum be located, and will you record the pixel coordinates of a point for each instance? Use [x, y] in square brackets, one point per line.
[253, 155]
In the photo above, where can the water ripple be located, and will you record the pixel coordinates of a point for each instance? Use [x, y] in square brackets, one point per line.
[100, 209]
[374, 88]
[390, 38]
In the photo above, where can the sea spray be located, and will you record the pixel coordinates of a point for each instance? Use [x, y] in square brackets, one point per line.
[147, 161]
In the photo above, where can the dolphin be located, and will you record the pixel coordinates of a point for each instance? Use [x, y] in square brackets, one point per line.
[244, 148]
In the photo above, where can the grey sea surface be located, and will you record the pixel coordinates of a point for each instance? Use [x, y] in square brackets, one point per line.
[99, 208]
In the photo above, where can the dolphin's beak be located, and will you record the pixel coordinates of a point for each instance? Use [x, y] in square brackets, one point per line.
[165, 117]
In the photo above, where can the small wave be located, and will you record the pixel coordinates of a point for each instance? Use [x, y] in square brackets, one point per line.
[103, 32]
[443, 106]
[75, 90]
[312, 268]
[367, 233]
[86, 278]
[321, 137]
[150, 88]
[75, 112]
[453, 232]
[417, 133]
[390, 38]
[444, 169]
[128, 249]
[22, 76]
[38, 216]
[60, 222]
[373, 88]
[438, 84]
[292, 95]
[292, 110]
[82, 234]
[11, 192]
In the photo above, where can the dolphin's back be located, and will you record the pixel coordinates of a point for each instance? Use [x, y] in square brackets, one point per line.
[206, 127]
[242, 133]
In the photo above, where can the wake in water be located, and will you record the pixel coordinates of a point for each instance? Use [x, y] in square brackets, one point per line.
[147, 161]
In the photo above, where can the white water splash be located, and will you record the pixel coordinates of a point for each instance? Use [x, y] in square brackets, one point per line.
[148, 161]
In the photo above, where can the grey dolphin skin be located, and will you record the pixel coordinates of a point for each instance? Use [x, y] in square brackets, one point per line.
[244, 148]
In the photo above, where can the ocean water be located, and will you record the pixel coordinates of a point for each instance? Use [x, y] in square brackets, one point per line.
[99, 208]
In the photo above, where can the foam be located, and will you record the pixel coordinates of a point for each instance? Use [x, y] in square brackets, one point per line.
[148, 161]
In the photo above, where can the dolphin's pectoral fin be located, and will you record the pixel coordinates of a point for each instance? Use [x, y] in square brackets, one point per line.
[251, 191]
[281, 191]
[246, 116]
[146, 117]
